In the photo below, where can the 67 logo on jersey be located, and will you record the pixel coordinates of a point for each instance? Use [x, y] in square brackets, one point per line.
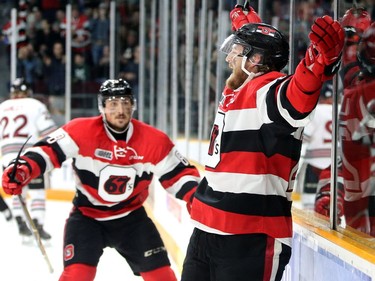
[116, 183]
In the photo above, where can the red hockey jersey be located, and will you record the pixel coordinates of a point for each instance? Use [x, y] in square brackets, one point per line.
[113, 176]
[253, 158]
[357, 127]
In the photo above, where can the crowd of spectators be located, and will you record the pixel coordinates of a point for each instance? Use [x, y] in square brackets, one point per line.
[41, 27]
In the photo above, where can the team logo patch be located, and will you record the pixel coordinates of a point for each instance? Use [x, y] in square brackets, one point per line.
[120, 152]
[68, 252]
[104, 154]
[266, 31]
[117, 185]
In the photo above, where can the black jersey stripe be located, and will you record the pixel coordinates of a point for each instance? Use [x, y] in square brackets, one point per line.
[185, 189]
[80, 200]
[266, 140]
[272, 109]
[243, 203]
[178, 170]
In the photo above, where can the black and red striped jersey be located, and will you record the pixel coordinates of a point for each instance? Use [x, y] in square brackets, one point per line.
[357, 128]
[253, 157]
[113, 176]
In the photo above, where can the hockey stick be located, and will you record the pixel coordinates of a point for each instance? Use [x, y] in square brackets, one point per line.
[245, 5]
[26, 211]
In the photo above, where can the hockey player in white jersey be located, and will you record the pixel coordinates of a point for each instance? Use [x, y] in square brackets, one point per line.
[22, 116]
[317, 139]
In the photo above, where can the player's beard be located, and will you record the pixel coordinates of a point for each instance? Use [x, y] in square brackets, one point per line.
[236, 79]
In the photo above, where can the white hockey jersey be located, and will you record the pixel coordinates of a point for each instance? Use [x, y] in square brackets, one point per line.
[19, 119]
[318, 137]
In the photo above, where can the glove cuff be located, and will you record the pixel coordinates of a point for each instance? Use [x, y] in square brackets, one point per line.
[307, 80]
[332, 69]
[32, 165]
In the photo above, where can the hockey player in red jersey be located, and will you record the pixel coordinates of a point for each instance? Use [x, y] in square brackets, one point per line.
[357, 126]
[242, 208]
[115, 158]
[355, 21]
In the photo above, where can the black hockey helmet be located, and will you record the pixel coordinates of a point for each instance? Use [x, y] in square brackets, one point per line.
[366, 50]
[112, 88]
[261, 38]
[19, 85]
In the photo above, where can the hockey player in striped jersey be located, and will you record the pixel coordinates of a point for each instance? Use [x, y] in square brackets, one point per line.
[242, 207]
[356, 181]
[23, 116]
[115, 158]
[355, 21]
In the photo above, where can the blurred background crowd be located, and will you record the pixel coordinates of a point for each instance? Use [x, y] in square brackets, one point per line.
[41, 27]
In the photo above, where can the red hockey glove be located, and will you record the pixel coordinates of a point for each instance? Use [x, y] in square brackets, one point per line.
[238, 18]
[323, 57]
[241, 15]
[323, 198]
[22, 176]
[253, 16]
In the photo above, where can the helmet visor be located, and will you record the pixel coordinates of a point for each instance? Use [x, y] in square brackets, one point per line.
[232, 40]
[227, 46]
[232, 43]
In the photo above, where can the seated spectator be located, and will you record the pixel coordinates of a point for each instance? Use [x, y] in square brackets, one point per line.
[54, 74]
[80, 69]
[46, 37]
[101, 71]
[100, 33]
[29, 65]
[129, 70]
